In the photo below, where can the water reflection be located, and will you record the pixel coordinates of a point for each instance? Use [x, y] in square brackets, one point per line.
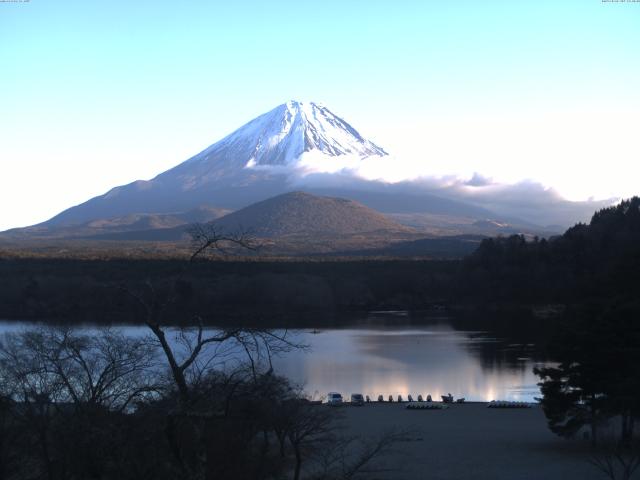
[385, 357]
[395, 361]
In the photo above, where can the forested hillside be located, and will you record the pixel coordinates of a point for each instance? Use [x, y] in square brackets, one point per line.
[595, 262]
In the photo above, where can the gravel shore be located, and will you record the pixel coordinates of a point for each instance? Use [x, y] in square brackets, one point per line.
[471, 441]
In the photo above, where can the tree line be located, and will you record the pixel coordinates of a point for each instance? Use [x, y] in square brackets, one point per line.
[599, 261]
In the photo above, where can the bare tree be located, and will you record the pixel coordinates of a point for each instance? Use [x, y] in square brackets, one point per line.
[66, 386]
[106, 369]
[257, 344]
[617, 460]
[306, 427]
[348, 458]
[239, 355]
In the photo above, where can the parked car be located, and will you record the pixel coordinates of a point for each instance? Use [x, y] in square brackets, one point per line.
[357, 399]
[334, 398]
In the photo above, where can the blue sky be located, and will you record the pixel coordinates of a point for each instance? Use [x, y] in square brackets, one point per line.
[96, 94]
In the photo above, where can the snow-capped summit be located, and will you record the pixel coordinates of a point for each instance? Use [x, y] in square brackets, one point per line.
[281, 136]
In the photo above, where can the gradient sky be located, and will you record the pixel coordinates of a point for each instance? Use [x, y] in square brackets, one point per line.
[97, 94]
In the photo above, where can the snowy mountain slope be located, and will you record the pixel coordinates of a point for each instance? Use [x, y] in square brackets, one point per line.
[281, 136]
[294, 135]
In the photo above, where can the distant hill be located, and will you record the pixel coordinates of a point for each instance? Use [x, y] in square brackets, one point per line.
[297, 214]
[143, 221]
[123, 226]
[300, 213]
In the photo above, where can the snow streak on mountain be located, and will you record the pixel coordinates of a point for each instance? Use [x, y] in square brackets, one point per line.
[281, 136]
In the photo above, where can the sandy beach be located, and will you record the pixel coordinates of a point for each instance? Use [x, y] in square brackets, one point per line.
[471, 441]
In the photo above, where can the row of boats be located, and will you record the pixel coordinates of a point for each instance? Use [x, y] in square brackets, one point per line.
[334, 398]
[491, 404]
[445, 399]
[357, 399]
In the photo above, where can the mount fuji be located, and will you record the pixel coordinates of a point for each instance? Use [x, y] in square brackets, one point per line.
[296, 146]
[251, 164]
[271, 155]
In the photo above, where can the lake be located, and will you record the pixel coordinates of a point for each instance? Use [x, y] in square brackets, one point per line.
[386, 354]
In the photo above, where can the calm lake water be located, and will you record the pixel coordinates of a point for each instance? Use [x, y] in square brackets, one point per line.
[379, 356]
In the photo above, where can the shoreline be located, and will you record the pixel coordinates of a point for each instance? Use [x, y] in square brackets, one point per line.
[450, 444]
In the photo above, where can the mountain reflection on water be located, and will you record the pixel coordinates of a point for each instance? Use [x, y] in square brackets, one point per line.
[396, 360]
[395, 355]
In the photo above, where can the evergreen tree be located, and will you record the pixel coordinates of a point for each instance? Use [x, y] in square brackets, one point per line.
[599, 372]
